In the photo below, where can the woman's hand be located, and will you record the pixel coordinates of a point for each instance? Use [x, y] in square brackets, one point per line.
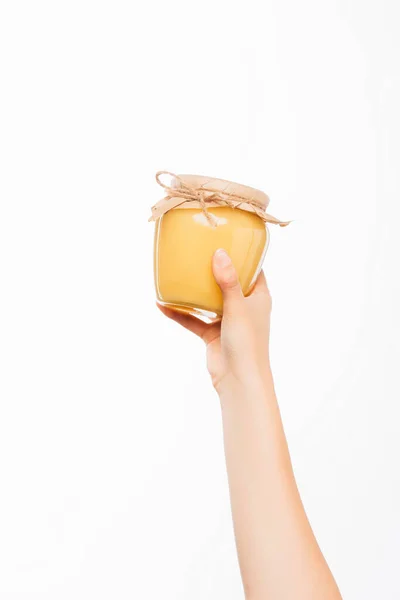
[237, 346]
[278, 553]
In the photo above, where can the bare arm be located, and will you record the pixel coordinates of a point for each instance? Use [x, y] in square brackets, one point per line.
[278, 554]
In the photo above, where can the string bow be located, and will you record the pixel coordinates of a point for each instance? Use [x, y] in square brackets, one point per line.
[178, 195]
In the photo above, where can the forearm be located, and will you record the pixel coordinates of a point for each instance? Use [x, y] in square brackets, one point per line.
[278, 554]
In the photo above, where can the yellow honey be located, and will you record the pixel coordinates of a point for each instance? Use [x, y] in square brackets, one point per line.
[185, 242]
[197, 216]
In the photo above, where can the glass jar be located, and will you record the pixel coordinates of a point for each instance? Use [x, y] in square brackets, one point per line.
[188, 234]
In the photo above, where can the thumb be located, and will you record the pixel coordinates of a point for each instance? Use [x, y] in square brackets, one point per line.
[227, 279]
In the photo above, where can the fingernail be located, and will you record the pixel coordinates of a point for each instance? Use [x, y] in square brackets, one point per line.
[222, 259]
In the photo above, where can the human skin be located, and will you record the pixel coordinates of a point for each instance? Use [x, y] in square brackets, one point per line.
[279, 556]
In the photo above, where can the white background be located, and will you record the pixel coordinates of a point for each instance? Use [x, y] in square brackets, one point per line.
[111, 460]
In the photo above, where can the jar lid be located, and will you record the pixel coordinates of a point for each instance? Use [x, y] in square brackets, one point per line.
[198, 191]
[224, 186]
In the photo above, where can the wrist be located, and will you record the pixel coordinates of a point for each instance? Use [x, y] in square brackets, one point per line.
[254, 384]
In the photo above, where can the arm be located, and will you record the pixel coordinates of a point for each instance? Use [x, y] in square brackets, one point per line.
[278, 554]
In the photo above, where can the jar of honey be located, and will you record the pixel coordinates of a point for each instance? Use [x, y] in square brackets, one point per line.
[197, 216]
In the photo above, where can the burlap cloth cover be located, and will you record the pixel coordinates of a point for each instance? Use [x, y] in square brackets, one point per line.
[197, 191]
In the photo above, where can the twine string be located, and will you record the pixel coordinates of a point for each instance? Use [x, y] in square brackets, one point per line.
[205, 195]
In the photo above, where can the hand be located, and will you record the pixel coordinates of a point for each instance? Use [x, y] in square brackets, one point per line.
[237, 346]
[272, 532]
